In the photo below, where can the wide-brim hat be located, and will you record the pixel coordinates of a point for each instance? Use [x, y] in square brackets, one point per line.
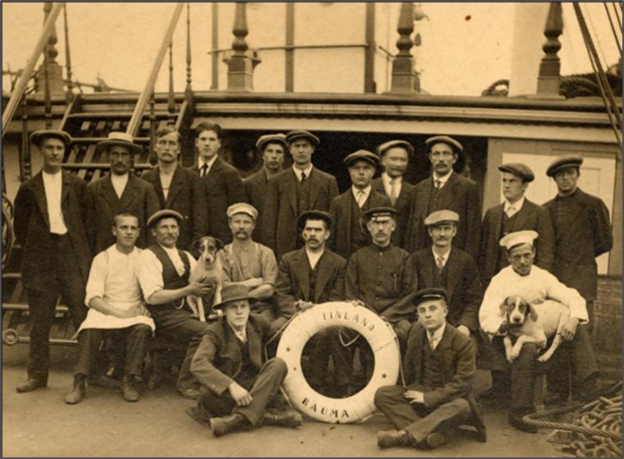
[563, 163]
[519, 170]
[165, 213]
[271, 138]
[119, 138]
[381, 149]
[300, 134]
[362, 155]
[316, 215]
[234, 292]
[38, 136]
[457, 147]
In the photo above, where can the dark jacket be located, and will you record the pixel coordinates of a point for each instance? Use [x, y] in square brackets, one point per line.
[402, 207]
[32, 229]
[529, 217]
[341, 210]
[463, 287]
[293, 280]
[256, 189]
[279, 223]
[459, 195]
[222, 187]
[138, 198]
[186, 196]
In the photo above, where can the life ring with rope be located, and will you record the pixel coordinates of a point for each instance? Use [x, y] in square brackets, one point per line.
[379, 335]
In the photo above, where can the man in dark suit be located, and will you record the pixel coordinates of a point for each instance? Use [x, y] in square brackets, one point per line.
[439, 369]
[238, 390]
[349, 233]
[178, 188]
[515, 214]
[119, 192]
[51, 214]
[447, 267]
[222, 183]
[394, 158]
[445, 189]
[273, 148]
[294, 191]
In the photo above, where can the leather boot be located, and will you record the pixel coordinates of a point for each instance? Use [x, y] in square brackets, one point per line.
[515, 419]
[392, 438]
[76, 395]
[128, 391]
[32, 383]
[288, 418]
[234, 422]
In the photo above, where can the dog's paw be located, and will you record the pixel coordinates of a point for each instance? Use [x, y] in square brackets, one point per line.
[544, 358]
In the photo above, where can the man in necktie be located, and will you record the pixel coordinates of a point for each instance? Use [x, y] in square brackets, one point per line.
[516, 213]
[439, 369]
[349, 232]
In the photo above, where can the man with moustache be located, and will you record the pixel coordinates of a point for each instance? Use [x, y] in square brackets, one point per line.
[293, 192]
[349, 233]
[445, 189]
[177, 188]
[394, 158]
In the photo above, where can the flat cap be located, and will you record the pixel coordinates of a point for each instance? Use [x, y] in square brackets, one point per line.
[428, 294]
[562, 163]
[119, 138]
[299, 134]
[164, 213]
[518, 169]
[242, 208]
[38, 136]
[381, 149]
[431, 141]
[518, 238]
[362, 155]
[315, 215]
[271, 138]
[441, 217]
[234, 292]
[381, 211]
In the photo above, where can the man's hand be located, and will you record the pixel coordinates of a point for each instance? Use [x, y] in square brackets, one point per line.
[240, 395]
[357, 303]
[569, 329]
[199, 288]
[303, 305]
[132, 312]
[464, 330]
[415, 396]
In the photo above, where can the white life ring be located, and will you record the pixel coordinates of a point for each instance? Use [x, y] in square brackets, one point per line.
[379, 335]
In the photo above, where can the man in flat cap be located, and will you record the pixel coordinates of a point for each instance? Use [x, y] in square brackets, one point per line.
[445, 189]
[51, 217]
[535, 285]
[452, 269]
[222, 183]
[439, 369]
[163, 273]
[178, 188]
[239, 388]
[516, 213]
[249, 263]
[294, 191]
[349, 233]
[120, 191]
[273, 149]
[394, 158]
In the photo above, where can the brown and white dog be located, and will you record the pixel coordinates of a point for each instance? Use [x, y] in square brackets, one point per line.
[206, 270]
[533, 323]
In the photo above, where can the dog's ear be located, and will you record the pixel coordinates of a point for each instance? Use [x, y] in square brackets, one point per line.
[532, 312]
[504, 306]
[219, 243]
[194, 248]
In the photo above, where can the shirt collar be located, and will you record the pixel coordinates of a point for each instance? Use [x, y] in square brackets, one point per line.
[210, 162]
[442, 179]
[307, 171]
[241, 335]
[49, 176]
[436, 336]
[366, 191]
[517, 205]
[387, 180]
[445, 257]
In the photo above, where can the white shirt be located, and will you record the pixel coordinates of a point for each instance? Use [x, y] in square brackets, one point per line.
[119, 183]
[538, 286]
[435, 337]
[442, 179]
[444, 257]
[165, 182]
[313, 257]
[517, 206]
[390, 183]
[53, 187]
[150, 270]
[307, 171]
[210, 162]
[241, 335]
[366, 191]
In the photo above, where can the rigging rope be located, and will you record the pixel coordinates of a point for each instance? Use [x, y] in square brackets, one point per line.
[617, 40]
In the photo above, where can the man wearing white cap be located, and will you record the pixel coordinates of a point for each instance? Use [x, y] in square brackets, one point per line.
[249, 263]
[120, 191]
[445, 189]
[535, 285]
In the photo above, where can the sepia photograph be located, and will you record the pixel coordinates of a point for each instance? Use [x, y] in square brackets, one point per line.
[312, 229]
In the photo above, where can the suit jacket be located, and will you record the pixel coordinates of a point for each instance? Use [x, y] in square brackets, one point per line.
[462, 196]
[32, 229]
[341, 209]
[293, 280]
[463, 287]
[579, 243]
[279, 224]
[186, 196]
[223, 187]
[402, 207]
[458, 366]
[218, 360]
[529, 217]
[255, 189]
[138, 198]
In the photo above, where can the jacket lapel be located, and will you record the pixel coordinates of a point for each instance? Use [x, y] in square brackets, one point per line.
[254, 343]
[233, 348]
[453, 186]
[39, 192]
[210, 180]
[302, 268]
[108, 192]
[130, 193]
[324, 272]
[315, 187]
[497, 221]
[523, 215]
[177, 183]
[420, 339]
[428, 267]
[65, 187]
[291, 190]
[422, 202]
[453, 273]
[444, 347]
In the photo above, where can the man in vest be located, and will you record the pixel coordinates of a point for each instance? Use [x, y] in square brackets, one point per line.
[164, 277]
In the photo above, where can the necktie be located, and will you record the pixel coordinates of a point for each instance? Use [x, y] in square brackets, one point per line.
[360, 198]
[394, 195]
[204, 170]
[438, 184]
[440, 263]
[511, 211]
[303, 177]
[432, 342]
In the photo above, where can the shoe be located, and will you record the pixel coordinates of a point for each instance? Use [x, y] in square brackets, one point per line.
[189, 393]
[234, 422]
[104, 382]
[288, 418]
[515, 419]
[480, 436]
[32, 384]
[435, 440]
[128, 391]
[392, 438]
[76, 395]
[199, 414]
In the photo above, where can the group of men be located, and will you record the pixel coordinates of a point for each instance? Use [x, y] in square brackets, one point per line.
[419, 256]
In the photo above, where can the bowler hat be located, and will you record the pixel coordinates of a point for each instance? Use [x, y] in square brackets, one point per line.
[234, 292]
